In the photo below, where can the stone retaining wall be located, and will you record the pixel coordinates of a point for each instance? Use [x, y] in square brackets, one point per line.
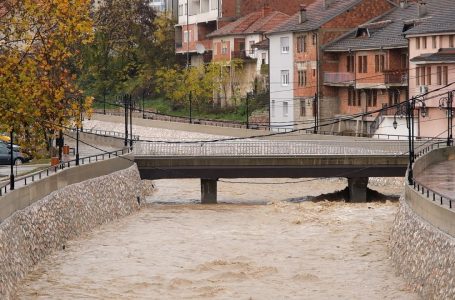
[31, 234]
[423, 255]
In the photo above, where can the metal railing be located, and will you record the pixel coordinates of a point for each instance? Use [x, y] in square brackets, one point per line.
[271, 148]
[107, 133]
[30, 178]
[344, 78]
[382, 136]
[431, 194]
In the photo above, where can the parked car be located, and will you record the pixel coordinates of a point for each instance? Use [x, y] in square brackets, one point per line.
[5, 155]
[4, 137]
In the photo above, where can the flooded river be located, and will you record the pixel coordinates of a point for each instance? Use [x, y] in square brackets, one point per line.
[265, 241]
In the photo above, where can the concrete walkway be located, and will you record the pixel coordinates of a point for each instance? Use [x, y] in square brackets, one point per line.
[221, 131]
[440, 177]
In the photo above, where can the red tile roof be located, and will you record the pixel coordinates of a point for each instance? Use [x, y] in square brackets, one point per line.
[256, 22]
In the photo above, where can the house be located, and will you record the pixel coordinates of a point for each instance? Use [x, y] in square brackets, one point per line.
[432, 63]
[198, 18]
[298, 97]
[240, 41]
[369, 71]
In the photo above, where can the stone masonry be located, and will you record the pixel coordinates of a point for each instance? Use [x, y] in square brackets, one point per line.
[31, 234]
[423, 255]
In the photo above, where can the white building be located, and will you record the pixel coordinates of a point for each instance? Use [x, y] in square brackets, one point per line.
[281, 82]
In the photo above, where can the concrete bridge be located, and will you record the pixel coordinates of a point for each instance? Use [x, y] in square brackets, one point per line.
[209, 161]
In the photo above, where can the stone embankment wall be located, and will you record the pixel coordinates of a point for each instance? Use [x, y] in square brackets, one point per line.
[32, 233]
[422, 242]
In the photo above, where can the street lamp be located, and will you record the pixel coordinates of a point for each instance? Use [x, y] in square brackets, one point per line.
[11, 177]
[407, 108]
[448, 103]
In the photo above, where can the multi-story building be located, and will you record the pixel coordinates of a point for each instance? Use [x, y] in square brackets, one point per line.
[198, 18]
[297, 65]
[369, 71]
[432, 64]
[238, 41]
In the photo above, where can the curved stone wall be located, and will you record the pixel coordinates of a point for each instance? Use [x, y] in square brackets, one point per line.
[32, 233]
[422, 242]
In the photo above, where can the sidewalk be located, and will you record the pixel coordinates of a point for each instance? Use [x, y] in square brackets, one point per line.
[221, 131]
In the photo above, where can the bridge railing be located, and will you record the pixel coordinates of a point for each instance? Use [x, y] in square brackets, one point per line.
[278, 148]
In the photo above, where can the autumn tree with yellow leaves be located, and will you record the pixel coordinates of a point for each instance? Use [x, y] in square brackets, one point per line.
[39, 63]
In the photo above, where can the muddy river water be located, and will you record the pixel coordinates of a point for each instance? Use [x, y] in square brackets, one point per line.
[264, 241]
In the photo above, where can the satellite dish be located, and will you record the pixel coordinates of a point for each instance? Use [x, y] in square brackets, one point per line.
[200, 49]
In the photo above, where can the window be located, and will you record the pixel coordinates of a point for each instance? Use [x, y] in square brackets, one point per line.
[422, 76]
[285, 77]
[450, 41]
[445, 75]
[441, 39]
[314, 72]
[433, 38]
[185, 12]
[424, 42]
[363, 64]
[301, 43]
[223, 48]
[379, 63]
[273, 109]
[264, 58]
[418, 75]
[439, 75]
[285, 109]
[429, 75]
[394, 97]
[314, 39]
[302, 108]
[404, 61]
[418, 43]
[302, 78]
[284, 42]
[185, 36]
[351, 97]
[350, 63]
[359, 98]
[181, 10]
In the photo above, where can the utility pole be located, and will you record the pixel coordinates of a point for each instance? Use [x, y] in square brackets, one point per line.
[143, 104]
[77, 133]
[125, 103]
[11, 176]
[449, 118]
[247, 110]
[315, 113]
[191, 106]
[131, 121]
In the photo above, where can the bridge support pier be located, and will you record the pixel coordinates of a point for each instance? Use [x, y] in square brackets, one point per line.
[209, 191]
[358, 189]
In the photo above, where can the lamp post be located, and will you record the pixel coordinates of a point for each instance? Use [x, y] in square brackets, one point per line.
[11, 177]
[407, 109]
[77, 133]
[131, 121]
[125, 103]
[448, 102]
[315, 113]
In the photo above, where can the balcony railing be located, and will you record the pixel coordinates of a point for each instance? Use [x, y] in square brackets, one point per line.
[339, 78]
[243, 54]
[396, 77]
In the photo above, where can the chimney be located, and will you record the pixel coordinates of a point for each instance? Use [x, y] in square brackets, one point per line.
[302, 14]
[326, 3]
[421, 9]
[266, 10]
[403, 3]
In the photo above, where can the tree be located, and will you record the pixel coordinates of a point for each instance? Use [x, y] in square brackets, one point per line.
[131, 42]
[39, 42]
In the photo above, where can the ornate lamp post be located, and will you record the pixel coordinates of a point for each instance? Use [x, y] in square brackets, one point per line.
[447, 102]
[407, 108]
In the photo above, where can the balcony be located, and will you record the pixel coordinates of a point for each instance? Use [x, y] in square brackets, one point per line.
[243, 54]
[396, 77]
[339, 78]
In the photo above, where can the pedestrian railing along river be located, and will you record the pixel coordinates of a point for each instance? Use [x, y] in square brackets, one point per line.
[32, 177]
[269, 148]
